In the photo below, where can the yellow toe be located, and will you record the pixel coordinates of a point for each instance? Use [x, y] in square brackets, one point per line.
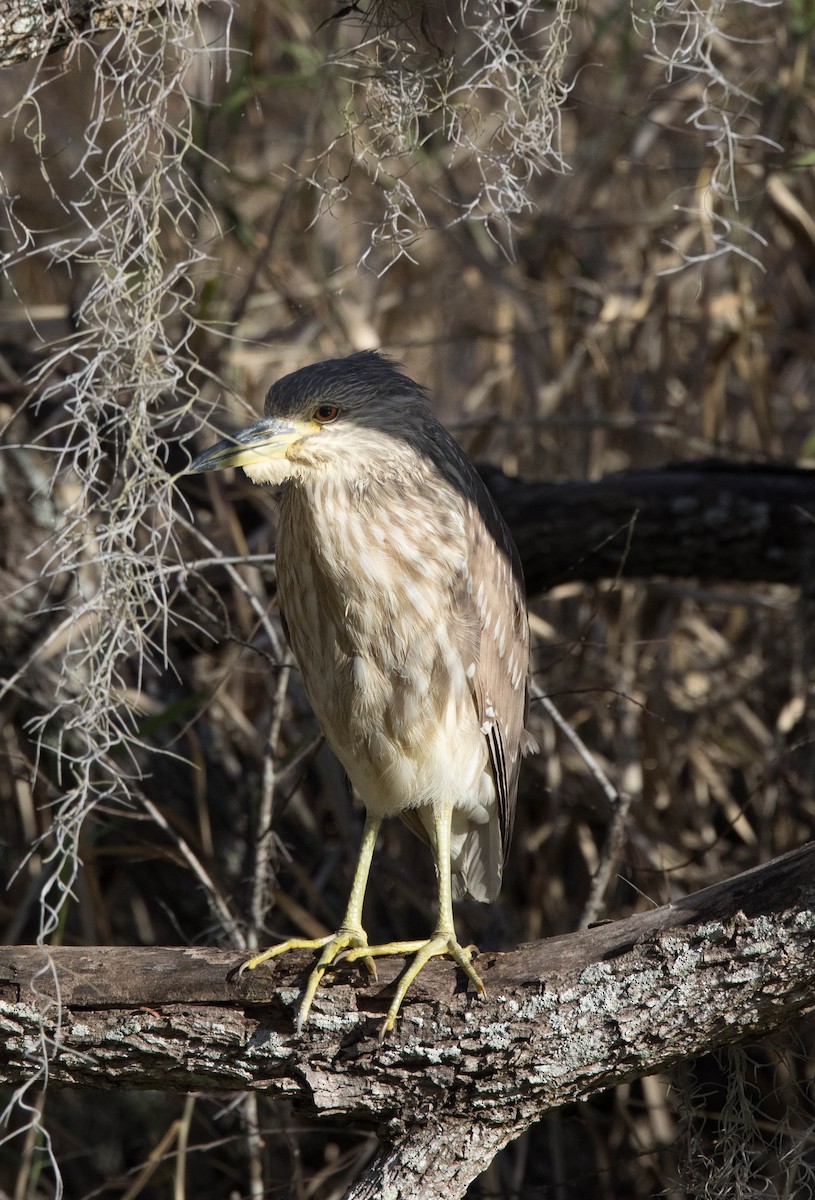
[441, 943]
[353, 941]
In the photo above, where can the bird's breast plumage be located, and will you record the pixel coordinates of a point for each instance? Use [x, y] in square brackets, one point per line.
[368, 596]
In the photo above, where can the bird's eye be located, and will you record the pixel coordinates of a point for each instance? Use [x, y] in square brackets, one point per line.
[326, 413]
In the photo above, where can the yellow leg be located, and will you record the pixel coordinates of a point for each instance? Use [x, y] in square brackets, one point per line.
[443, 939]
[349, 935]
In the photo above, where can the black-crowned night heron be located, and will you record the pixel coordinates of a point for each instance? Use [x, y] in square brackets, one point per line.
[403, 600]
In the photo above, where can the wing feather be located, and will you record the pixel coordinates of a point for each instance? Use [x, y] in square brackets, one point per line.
[494, 600]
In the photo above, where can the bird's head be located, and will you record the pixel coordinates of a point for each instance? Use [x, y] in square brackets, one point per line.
[338, 413]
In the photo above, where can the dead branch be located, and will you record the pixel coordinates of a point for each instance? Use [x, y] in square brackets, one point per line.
[708, 520]
[459, 1078]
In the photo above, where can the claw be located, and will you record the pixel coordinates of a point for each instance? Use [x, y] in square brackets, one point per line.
[351, 945]
[282, 948]
[441, 943]
[355, 941]
[350, 942]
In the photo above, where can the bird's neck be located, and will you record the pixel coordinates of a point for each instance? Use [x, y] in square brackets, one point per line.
[366, 530]
[357, 486]
[333, 505]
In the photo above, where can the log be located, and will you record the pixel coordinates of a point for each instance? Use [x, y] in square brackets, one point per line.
[459, 1077]
[711, 521]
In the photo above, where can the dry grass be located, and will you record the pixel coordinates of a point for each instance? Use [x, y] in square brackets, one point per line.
[151, 724]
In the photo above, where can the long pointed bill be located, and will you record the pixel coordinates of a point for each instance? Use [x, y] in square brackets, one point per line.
[266, 441]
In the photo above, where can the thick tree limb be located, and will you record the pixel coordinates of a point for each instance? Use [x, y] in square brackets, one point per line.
[707, 520]
[459, 1078]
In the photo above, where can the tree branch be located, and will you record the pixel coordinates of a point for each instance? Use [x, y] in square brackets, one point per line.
[708, 520]
[459, 1078]
[31, 28]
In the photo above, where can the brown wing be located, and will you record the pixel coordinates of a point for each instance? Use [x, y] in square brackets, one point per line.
[493, 632]
[491, 602]
[501, 682]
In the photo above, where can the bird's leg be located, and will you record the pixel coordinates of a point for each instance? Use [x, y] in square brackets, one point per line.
[443, 940]
[350, 934]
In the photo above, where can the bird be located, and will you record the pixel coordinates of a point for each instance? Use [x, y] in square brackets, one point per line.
[402, 597]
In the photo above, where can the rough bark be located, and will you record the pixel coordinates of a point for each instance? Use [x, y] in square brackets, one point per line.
[709, 520]
[459, 1078]
[30, 28]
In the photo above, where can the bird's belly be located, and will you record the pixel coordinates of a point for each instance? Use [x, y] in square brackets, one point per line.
[438, 755]
[394, 700]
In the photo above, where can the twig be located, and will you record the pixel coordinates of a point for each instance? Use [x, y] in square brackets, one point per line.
[620, 803]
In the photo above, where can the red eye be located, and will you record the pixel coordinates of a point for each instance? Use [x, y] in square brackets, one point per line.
[326, 413]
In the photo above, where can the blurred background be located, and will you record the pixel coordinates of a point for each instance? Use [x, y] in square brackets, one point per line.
[591, 238]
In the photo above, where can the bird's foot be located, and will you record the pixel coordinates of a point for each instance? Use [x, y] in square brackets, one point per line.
[443, 942]
[354, 940]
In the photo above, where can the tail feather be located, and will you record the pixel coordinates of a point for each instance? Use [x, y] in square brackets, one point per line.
[477, 861]
[477, 854]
